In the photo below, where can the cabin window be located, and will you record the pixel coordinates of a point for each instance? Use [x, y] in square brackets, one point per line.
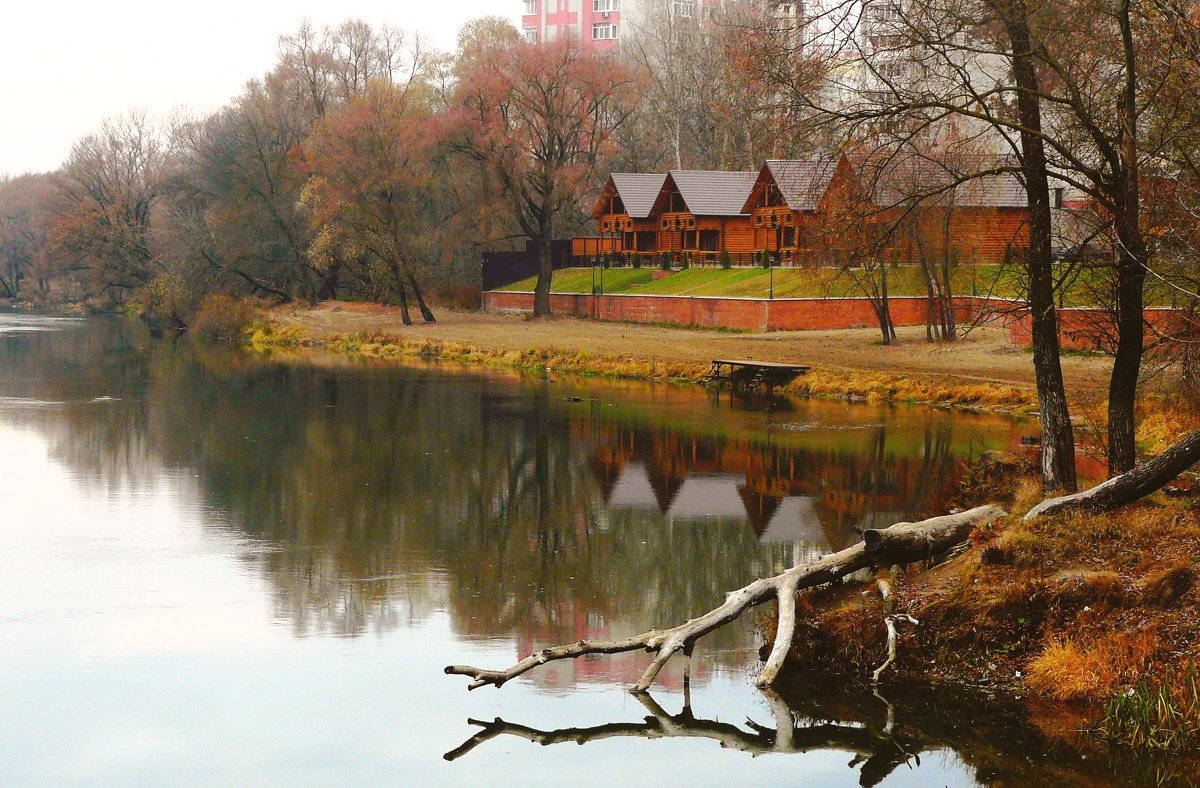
[789, 237]
[647, 241]
[710, 240]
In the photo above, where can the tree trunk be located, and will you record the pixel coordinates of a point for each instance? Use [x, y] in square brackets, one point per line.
[949, 319]
[1058, 441]
[883, 311]
[1132, 485]
[426, 315]
[1131, 270]
[403, 294]
[541, 291]
[329, 282]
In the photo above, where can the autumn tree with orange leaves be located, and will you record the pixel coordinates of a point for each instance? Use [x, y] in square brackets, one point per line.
[538, 121]
[369, 191]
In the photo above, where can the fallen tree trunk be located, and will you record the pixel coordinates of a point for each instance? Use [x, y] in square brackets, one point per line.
[898, 544]
[1130, 486]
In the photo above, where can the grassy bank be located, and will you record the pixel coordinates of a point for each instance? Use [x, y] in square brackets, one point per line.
[1081, 289]
[1093, 610]
[269, 337]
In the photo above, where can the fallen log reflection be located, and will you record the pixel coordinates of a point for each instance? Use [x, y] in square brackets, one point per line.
[996, 739]
[875, 751]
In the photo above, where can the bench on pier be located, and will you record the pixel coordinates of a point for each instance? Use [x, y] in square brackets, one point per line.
[750, 375]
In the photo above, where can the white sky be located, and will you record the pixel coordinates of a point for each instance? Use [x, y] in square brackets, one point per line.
[66, 66]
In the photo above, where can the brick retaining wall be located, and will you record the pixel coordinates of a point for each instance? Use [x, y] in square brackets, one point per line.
[746, 314]
[1095, 329]
[1079, 328]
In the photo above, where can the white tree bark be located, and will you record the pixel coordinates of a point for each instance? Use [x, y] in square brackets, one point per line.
[899, 543]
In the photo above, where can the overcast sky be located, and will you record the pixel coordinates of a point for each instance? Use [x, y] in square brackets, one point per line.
[67, 66]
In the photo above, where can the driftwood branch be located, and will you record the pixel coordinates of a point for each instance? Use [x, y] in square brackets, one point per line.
[878, 752]
[890, 622]
[898, 544]
[1131, 486]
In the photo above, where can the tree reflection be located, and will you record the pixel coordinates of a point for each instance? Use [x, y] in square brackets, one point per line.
[994, 740]
[371, 497]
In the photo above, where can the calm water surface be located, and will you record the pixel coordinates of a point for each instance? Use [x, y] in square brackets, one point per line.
[216, 570]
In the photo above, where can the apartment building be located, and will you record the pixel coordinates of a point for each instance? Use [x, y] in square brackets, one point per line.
[596, 23]
[599, 23]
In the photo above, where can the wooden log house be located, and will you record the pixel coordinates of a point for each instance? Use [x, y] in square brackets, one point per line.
[701, 212]
[823, 209]
[790, 203]
[934, 210]
[622, 215]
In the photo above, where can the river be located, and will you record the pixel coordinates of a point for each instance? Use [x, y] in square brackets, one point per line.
[222, 570]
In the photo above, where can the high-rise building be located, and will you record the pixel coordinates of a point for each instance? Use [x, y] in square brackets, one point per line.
[598, 23]
[594, 22]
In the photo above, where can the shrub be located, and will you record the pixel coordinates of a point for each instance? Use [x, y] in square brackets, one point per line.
[635, 260]
[686, 260]
[605, 262]
[726, 260]
[223, 317]
[665, 261]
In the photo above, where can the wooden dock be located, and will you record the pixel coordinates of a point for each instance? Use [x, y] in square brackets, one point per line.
[752, 376]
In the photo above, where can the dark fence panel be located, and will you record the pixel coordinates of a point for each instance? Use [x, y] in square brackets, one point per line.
[504, 268]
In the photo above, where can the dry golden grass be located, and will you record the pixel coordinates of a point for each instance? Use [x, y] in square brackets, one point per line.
[1069, 670]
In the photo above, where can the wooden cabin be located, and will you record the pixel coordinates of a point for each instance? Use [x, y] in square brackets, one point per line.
[622, 215]
[933, 210]
[701, 212]
[790, 204]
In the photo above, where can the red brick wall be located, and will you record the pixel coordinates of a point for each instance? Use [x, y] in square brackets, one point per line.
[1094, 329]
[747, 314]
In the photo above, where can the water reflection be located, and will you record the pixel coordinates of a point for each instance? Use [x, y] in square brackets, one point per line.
[381, 495]
[194, 524]
[883, 732]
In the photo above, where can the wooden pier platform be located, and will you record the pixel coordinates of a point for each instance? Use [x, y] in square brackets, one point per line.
[750, 375]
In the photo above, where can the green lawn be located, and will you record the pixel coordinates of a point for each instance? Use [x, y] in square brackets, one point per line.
[752, 282]
[1087, 287]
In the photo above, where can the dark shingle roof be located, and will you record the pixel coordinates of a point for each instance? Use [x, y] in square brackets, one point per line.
[714, 192]
[920, 178]
[638, 191]
[803, 182]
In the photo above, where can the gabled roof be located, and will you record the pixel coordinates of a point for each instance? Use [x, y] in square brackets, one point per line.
[956, 184]
[709, 192]
[637, 191]
[802, 182]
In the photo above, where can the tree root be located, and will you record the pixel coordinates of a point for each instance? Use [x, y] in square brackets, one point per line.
[898, 544]
[1143, 480]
